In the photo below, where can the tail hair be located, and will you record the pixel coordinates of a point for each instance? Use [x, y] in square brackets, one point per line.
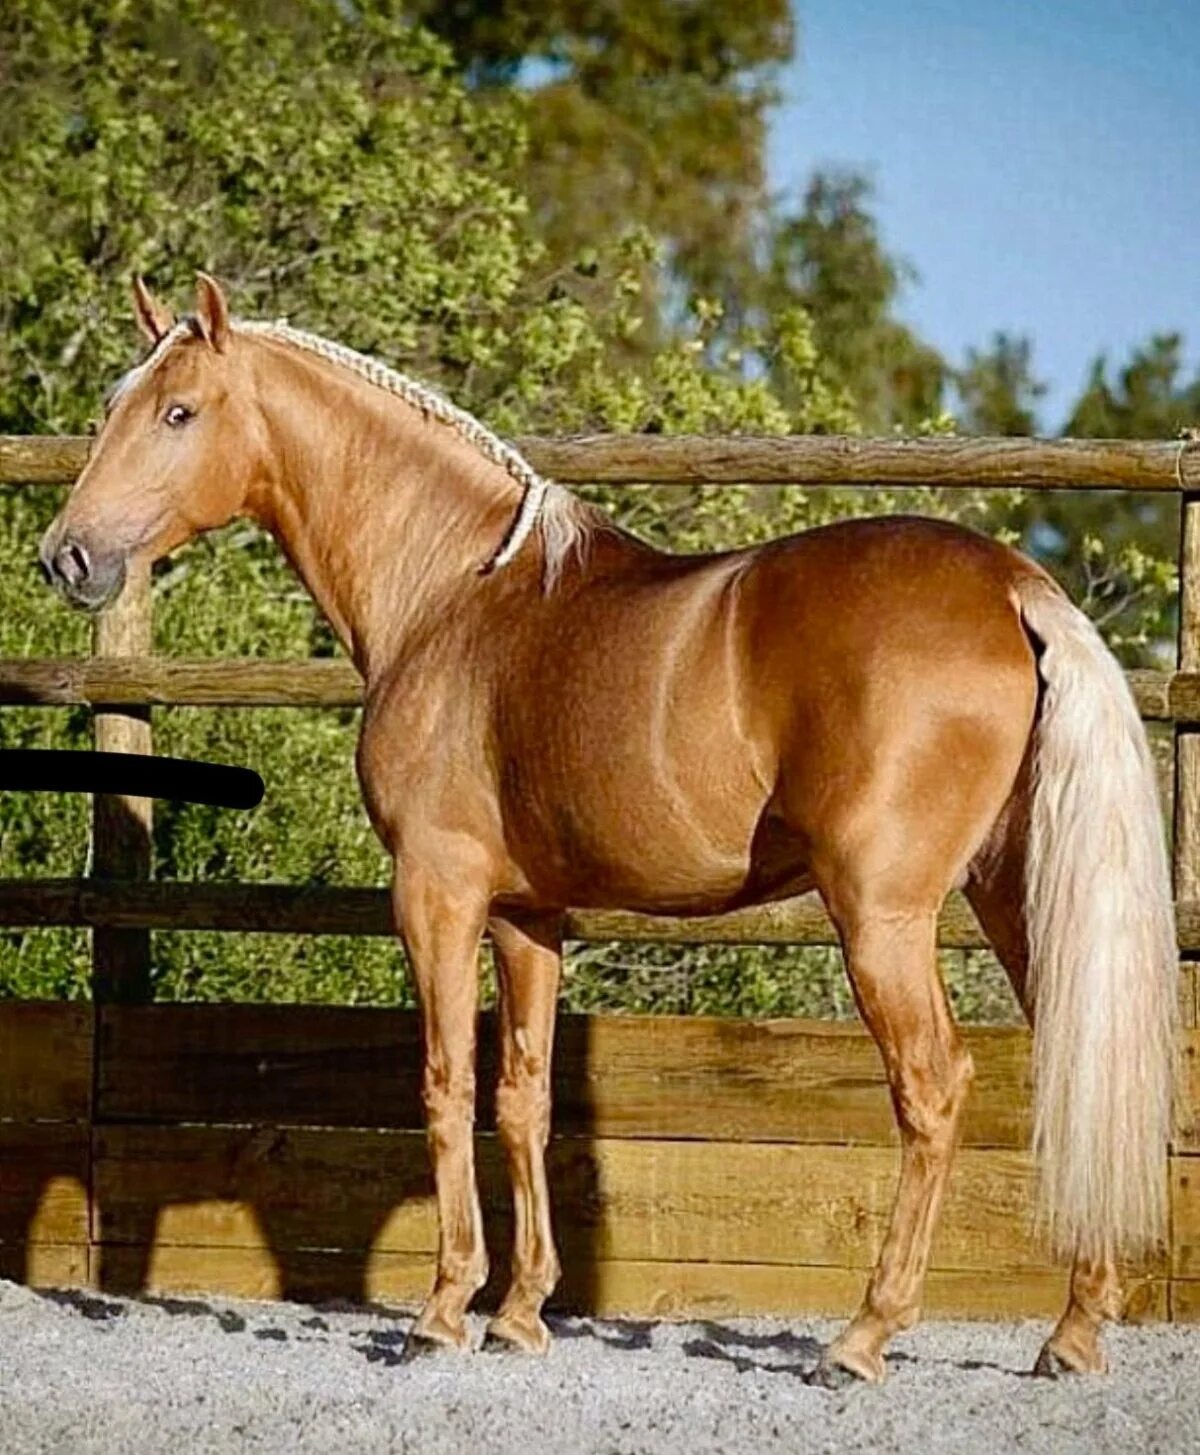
[1103, 952]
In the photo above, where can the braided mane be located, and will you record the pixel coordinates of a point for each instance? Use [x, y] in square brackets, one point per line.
[563, 518]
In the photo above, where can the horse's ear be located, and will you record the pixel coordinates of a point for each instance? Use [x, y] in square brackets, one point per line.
[154, 320]
[212, 312]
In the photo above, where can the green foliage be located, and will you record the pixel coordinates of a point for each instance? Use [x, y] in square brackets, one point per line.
[1147, 400]
[1115, 553]
[997, 388]
[351, 180]
[650, 114]
[828, 257]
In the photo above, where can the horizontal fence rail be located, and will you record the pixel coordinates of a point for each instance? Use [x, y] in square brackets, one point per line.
[329, 909]
[334, 682]
[610, 459]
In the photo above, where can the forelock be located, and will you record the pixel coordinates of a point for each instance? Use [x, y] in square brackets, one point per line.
[185, 328]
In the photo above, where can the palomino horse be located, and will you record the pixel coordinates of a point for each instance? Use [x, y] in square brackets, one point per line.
[557, 715]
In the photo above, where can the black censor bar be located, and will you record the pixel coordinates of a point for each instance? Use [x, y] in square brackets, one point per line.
[41, 770]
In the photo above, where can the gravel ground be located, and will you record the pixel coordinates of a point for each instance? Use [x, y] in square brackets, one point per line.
[90, 1374]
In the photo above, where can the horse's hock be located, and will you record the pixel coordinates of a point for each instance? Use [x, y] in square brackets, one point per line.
[697, 1166]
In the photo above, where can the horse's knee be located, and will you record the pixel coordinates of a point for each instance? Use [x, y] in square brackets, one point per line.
[523, 1095]
[449, 1102]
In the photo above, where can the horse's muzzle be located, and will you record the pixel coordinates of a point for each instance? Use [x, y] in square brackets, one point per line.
[88, 578]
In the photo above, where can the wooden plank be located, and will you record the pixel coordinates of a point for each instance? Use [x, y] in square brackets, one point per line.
[353, 910]
[121, 823]
[1185, 1300]
[304, 682]
[45, 1060]
[298, 1190]
[1027, 464]
[1182, 694]
[47, 1265]
[41, 459]
[867, 462]
[1185, 1217]
[43, 1183]
[334, 682]
[742, 1290]
[614, 1076]
[1189, 995]
[1187, 1100]
[1186, 839]
[641, 1289]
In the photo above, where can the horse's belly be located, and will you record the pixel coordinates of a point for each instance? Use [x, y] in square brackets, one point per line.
[657, 865]
[659, 849]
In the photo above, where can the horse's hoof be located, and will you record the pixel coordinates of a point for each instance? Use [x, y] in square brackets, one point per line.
[830, 1376]
[1051, 1364]
[506, 1335]
[842, 1369]
[436, 1338]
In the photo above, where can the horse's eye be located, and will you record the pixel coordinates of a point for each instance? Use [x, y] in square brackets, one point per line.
[177, 414]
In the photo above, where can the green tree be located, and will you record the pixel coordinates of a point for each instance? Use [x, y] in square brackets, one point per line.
[650, 114]
[1116, 553]
[997, 389]
[828, 258]
[1148, 399]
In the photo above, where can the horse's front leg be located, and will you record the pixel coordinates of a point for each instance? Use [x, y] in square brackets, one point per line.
[441, 922]
[529, 964]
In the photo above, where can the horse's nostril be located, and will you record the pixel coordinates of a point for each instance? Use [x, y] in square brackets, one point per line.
[72, 563]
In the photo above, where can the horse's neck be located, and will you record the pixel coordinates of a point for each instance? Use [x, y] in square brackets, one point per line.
[385, 515]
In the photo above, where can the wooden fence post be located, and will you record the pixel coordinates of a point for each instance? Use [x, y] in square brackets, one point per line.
[1187, 740]
[121, 824]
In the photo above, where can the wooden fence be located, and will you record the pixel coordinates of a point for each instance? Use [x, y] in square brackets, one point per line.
[698, 1164]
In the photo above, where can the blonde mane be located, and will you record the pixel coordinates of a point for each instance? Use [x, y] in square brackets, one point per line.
[561, 519]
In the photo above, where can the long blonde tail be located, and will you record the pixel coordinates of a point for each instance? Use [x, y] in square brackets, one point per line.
[1103, 957]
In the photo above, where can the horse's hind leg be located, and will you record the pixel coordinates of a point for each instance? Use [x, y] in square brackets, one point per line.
[890, 957]
[996, 891]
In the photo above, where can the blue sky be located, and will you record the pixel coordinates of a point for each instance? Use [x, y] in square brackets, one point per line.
[1038, 161]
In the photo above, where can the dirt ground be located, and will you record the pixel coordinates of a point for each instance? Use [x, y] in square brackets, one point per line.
[89, 1374]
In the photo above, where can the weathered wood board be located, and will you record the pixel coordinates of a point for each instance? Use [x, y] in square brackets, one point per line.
[700, 1166]
[45, 1141]
[615, 1199]
[45, 1061]
[631, 1288]
[668, 1076]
